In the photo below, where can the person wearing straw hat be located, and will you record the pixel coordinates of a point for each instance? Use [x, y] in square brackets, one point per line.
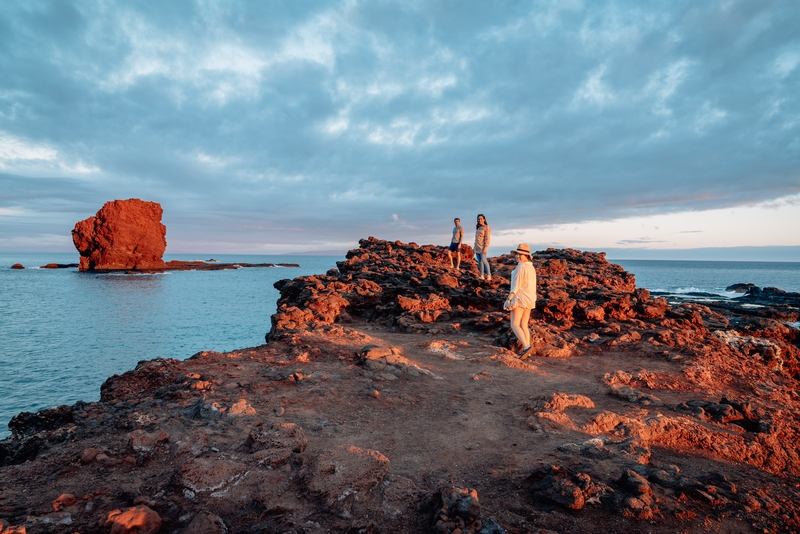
[522, 298]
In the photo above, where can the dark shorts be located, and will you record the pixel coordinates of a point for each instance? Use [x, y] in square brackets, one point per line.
[454, 247]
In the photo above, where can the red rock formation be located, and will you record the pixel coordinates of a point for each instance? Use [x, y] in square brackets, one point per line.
[136, 520]
[413, 288]
[124, 234]
[385, 395]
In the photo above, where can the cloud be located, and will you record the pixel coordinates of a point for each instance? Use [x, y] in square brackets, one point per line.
[640, 241]
[12, 211]
[664, 83]
[265, 124]
[594, 90]
[13, 149]
[786, 63]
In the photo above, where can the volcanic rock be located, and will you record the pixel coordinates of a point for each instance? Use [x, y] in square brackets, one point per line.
[136, 520]
[412, 288]
[128, 235]
[17, 266]
[124, 234]
[59, 266]
[390, 394]
[740, 288]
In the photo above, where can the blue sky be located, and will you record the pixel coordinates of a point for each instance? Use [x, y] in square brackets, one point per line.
[271, 127]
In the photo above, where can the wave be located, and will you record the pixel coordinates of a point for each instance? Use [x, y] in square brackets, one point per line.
[698, 290]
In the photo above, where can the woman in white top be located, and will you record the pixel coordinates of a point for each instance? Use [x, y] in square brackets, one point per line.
[522, 298]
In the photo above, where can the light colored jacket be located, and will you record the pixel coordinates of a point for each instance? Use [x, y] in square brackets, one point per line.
[483, 235]
[458, 234]
[523, 284]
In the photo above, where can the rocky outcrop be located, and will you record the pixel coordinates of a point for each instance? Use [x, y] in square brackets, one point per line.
[59, 266]
[127, 235]
[387, 398]
[413, 289]
[124, 234]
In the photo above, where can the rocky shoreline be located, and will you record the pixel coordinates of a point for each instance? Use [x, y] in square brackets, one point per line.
[174, 265]
[388, 398]
[768, 303]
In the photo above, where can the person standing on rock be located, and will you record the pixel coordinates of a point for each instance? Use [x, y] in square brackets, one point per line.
[455, 244]
[522, 298]
[483, 234]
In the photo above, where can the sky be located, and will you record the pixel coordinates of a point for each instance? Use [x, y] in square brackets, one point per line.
[297, 126]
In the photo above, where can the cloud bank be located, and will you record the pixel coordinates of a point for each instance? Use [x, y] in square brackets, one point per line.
[285, 126]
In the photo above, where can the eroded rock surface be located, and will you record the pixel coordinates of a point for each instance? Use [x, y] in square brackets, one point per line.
[124, 234]
[390, 399]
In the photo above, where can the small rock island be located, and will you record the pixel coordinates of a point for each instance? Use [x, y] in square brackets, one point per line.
[128, 235]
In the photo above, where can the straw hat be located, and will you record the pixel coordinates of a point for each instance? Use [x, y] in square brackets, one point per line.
[523, 248]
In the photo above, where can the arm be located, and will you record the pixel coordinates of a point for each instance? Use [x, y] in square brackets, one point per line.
[515, 280]
[487, 238]
[510, 300]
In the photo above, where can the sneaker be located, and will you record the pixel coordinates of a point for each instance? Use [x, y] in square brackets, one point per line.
[525, 353]
[481, 277]
[489, 278]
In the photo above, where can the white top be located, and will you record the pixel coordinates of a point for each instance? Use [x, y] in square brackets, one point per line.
[523, 284]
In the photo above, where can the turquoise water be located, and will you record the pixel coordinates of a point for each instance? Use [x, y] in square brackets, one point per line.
[64, 332]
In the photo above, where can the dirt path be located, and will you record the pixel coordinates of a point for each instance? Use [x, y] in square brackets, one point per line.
[443, 412]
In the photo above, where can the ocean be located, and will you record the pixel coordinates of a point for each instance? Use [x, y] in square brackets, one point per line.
[681, 277]
[64, 332]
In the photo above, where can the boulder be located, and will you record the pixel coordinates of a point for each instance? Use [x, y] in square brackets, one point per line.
[17, 266]
[123, 235]
[274, 447]
[136, 520]
[557, 485]
[740, 288]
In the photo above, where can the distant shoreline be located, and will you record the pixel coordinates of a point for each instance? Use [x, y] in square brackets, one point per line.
[781, 254]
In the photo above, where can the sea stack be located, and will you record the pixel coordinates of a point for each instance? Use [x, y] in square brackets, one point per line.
[123, 235]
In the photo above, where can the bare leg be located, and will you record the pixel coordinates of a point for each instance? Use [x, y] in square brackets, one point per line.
[458, 260]
[526, 312]
[449, 255]
[519, 325]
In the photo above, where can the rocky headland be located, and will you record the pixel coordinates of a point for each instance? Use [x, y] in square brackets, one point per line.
[389, 398]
